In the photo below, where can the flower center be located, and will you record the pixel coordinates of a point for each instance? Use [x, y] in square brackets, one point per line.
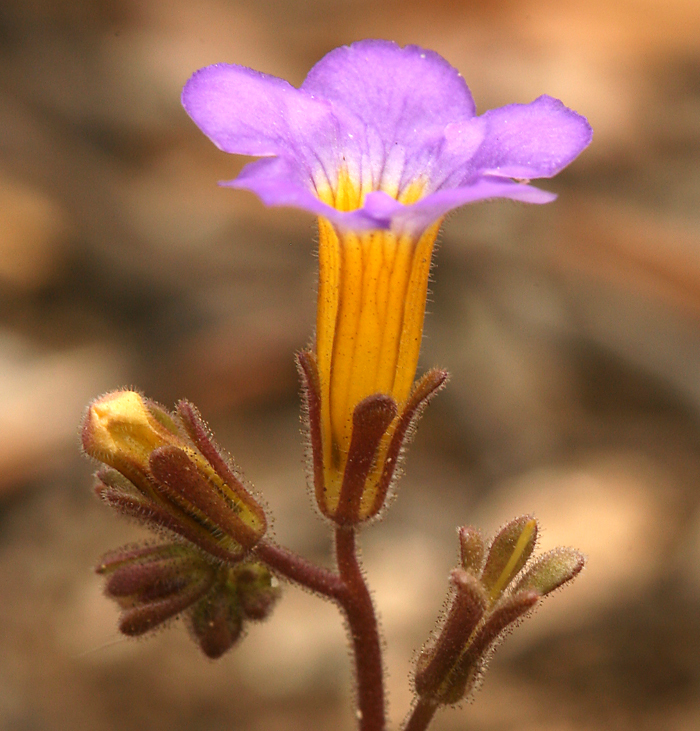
[349, 195]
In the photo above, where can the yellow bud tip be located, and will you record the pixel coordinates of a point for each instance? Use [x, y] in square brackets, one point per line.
[119, 424]
[120, 407]
[116, 409]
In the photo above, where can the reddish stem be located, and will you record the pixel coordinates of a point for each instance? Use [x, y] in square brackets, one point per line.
[421, 716]
[300, 571]
[349, 591]
[359, 610]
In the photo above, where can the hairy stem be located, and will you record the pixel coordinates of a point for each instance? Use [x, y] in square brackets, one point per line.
[362, 620]
[300, 571]
[421, 716]
[348, 589]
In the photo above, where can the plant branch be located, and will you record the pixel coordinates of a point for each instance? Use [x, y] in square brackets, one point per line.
[300, 571]
[349, 590]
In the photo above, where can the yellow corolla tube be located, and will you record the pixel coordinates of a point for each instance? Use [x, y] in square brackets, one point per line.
[371, 306]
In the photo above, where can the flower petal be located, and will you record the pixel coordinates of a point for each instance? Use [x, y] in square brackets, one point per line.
[250, 113]
[420, 215]
[389, 101]
[452, 164]
[533, 140]
[390, 124]
[277, 182]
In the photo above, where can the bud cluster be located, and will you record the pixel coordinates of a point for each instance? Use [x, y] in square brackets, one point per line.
[153, 584]
[166, 471]
[492, 590]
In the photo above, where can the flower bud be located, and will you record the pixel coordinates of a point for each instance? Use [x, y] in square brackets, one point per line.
[551, 570]
[471, 549]
[170, 474]
[486, 604]
[258, 590]
[465, 612]
[216, 622]
[154, 583]
[247, 591]
[122, 432]
[510, 550]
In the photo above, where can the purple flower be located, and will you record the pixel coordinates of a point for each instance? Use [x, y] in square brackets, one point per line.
[380, 143]
[399, 124]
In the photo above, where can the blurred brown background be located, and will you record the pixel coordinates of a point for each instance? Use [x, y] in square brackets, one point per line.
[572, 332]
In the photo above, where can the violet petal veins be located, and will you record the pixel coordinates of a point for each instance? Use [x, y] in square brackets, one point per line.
[399, 124]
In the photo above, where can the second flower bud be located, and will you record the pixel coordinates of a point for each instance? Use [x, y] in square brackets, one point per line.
[166, 471]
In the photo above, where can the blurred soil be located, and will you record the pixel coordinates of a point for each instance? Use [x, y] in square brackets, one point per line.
[572, 333]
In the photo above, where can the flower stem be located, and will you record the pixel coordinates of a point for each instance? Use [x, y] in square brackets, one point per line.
[300, 571]
[359, 610]
[348, 589]
[421, 715]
